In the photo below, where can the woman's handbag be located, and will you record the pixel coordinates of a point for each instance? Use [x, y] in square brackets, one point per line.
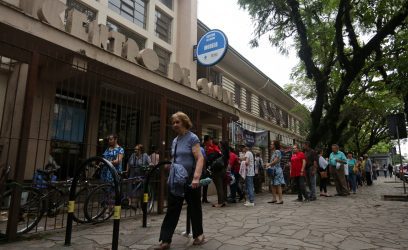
[217, 164]
[323, 174]
[178, 177]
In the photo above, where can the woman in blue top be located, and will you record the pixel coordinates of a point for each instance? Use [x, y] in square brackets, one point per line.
[352, 177]
[277, 179]
[185, 151]
[114, 153]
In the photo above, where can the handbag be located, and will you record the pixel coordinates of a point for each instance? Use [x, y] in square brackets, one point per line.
[217, 164]
[323, 174]
[178, 177]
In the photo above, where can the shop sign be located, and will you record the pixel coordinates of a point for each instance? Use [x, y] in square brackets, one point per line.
[212, 47]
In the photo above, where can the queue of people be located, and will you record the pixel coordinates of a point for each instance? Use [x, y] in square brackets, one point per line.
[242, 172]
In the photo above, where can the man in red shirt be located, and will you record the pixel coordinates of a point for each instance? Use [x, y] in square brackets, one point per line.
[297, 172]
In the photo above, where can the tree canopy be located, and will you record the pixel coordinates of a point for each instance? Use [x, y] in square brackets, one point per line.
[353, 61]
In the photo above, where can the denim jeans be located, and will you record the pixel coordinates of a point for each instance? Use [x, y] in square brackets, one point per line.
[352, 178]
[311, 182]
[249, 181]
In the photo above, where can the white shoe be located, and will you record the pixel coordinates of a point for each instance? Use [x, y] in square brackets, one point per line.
[249, 204]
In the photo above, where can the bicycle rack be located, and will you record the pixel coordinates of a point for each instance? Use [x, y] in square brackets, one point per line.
[146, 191]
[71, 203]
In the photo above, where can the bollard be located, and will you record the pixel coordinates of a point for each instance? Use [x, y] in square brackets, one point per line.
[146, 190]
[71, 202]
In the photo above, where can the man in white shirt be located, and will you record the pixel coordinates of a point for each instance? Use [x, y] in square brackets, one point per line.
[250, 173]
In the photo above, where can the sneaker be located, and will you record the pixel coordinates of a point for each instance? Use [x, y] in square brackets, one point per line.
[299, 200]
[312, 199]
[249, 204]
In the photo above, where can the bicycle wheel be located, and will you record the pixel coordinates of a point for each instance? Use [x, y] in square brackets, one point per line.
[80, 199]
[100, 203]
[31, 209]
[55, 200]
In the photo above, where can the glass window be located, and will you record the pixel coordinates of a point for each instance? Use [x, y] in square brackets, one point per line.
[69, 118]
[74, 4]
[168, 3]
[133, 10]
[163, 26]
[141, 41]
[164, 59]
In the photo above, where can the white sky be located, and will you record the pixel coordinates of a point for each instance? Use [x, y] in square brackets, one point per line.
[226, 15]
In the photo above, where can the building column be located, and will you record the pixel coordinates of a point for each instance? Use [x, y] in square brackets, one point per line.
[162, 148]
[31, 91]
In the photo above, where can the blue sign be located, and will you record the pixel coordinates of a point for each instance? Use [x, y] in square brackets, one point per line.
[212, 47]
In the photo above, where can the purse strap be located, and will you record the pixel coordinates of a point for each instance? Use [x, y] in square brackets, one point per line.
[175, 151]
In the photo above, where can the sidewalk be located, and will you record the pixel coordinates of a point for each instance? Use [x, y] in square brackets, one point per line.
[361, 221]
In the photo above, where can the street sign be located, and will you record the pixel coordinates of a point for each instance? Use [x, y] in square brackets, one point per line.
[396, 126]
[212, 47]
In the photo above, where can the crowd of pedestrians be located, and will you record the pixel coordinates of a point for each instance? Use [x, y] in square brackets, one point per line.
[241, 173]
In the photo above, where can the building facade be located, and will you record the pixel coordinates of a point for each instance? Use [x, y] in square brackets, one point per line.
[74, 71]
[260, 103]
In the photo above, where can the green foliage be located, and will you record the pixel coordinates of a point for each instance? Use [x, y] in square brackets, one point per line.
[354, 62]
[381, 148]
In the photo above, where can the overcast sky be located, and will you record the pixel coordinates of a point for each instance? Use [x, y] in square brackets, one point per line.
[237, 25]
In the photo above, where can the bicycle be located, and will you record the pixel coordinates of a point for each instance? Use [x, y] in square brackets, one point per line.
[99, 205]
[56, 193]
[31, 204]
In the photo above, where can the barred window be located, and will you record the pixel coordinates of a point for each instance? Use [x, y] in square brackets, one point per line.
[141, 41]
[74, 4]
[163, 26]
[164, 59]
[168, 3]
[133, 10]
[237, 94]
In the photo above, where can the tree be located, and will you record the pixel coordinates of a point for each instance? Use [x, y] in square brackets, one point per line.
[338, 42]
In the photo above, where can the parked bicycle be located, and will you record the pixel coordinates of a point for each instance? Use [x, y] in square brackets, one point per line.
[31, 205]
[46, 196]
[99, 205]
[56, 193]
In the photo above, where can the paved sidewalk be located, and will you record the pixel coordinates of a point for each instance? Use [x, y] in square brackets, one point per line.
[361, 221]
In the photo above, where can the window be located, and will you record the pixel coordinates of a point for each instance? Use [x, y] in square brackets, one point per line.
[141, 41]
[285, 119]
[237, 94]
[168, 3]
[249, 101]
[214, 77]
[163, 26]
[69, 118]
[133, 10]
[74, 4]
[164, 59]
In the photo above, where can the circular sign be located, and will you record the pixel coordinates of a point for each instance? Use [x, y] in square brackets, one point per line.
[212, 47]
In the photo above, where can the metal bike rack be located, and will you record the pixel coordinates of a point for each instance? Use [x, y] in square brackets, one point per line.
[146, 190]
[117, 209]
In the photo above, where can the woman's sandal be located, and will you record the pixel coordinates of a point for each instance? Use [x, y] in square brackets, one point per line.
[163, 246]
[198, 242]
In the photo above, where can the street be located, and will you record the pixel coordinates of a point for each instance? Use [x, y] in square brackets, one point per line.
[361, 221]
